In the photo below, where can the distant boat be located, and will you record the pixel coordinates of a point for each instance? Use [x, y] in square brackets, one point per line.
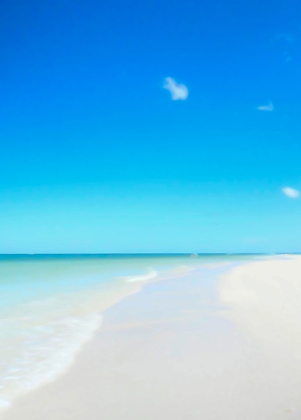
[194, 255]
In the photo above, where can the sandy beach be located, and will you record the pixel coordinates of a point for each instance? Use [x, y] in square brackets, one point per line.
[222, 343]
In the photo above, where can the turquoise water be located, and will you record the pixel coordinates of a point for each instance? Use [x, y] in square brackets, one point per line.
[52, 305]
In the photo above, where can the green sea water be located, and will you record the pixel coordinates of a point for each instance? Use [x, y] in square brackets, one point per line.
[51, 305]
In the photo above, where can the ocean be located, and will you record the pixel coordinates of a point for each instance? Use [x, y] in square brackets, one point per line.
[51, 305]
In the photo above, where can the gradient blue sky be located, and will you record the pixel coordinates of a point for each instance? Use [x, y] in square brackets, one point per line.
[95, 155]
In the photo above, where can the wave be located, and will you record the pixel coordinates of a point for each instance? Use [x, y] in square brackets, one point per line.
[151, 274]
[164, 275]
[48, 351]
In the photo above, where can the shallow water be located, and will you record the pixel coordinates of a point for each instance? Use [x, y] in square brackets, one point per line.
[52, 305]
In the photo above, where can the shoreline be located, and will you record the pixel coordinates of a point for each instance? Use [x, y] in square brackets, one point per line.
[56, 355]
[150, 343]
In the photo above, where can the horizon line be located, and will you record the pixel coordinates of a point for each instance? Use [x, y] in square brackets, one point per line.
[148, 253]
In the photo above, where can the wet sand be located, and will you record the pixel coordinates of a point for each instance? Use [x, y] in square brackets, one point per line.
[209, 345]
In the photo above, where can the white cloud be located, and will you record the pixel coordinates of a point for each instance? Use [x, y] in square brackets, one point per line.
[177, 91]
[286, 37]
[291, 192]
[269, 107]
[251, 240]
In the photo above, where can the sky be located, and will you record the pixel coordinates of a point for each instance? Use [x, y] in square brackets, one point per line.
[159, 126]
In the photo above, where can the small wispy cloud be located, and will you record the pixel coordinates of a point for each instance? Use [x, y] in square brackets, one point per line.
[287, 57]
[252, 240]
[291, 192]
[178, 91]
[269, 107]
[286, 37]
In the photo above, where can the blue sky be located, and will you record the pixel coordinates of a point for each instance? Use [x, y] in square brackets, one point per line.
[97, 156]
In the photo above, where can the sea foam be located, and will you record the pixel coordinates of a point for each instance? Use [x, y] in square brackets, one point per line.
[150, 275]
[45, 352]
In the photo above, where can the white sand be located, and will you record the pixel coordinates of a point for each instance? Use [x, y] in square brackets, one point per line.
[189, 348]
